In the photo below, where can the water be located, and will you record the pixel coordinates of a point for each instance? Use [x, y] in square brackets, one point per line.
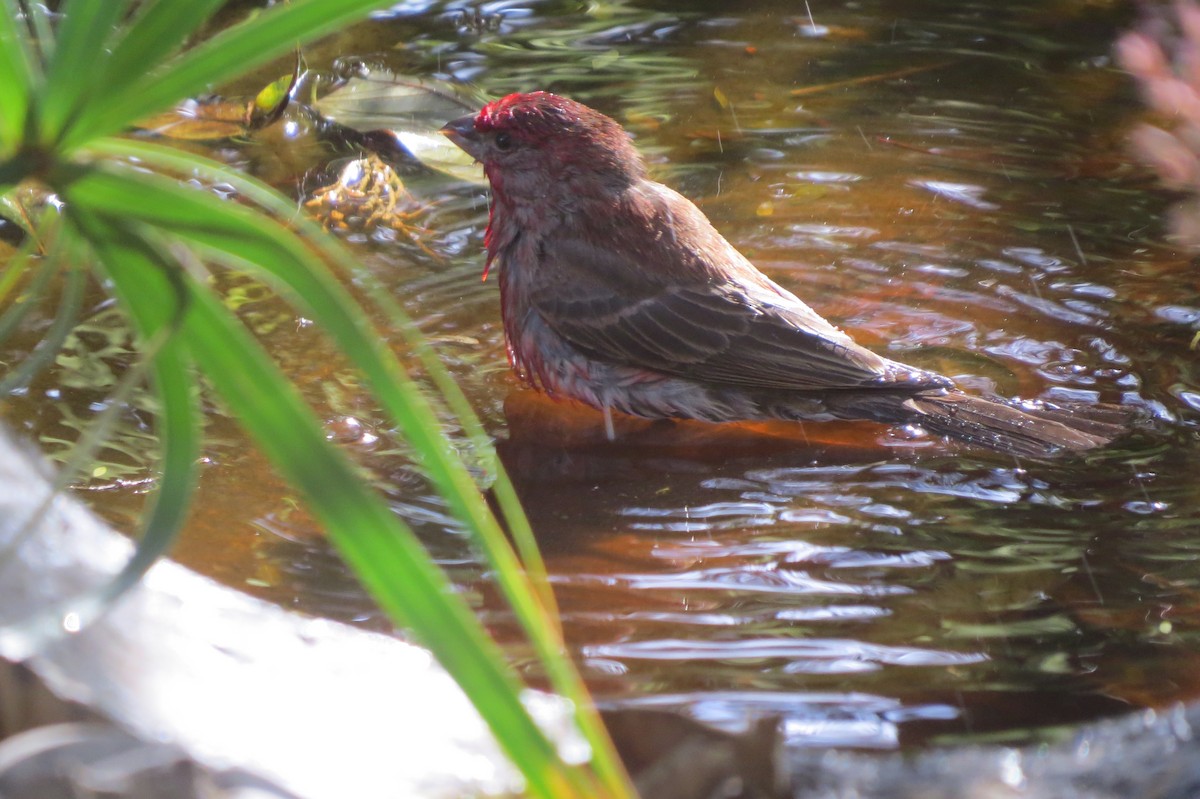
[946, 181]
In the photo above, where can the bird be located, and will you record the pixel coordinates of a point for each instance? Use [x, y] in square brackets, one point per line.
[618, 292]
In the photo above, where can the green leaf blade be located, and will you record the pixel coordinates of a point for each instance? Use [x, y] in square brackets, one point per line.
[158, 30]
[219, 59]
[16, 78]
[386, 555]
[79, 48]
[326, 302]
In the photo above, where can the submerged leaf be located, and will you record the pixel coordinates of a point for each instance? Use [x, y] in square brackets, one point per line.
[866, 79]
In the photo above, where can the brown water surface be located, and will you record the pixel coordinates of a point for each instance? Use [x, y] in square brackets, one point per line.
[943, 179]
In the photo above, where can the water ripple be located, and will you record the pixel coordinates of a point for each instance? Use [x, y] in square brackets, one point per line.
[963, 193]
[819, 176]
[1055, 310]
[1000, 486]
[833, 613]
[713, 510]
[817, 653]
[753, 579]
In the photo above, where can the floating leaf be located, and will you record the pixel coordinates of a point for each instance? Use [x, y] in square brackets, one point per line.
[436, 152]
[411, 111]
[194, 121]
[384, 100]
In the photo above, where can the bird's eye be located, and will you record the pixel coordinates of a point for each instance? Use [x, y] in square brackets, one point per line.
[503, 141]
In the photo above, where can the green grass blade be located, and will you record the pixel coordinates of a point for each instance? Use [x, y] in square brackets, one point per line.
[460, 407]
[15, 211]
[18, 267]
[159, 29]
[386, 555]
[33, 294]
[84, 29]
[238, 234]
[221, 58]
[388, 558]
[64, 320]
[41, 31]
[77, 107]
[289, 265]
[16, 77]
[171, 159]
[158, 319]
[408, 408]
[178, 428]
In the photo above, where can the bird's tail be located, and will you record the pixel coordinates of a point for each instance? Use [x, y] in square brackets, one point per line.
[1036, 430]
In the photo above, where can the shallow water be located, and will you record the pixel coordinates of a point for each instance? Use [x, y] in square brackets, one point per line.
[946, 181]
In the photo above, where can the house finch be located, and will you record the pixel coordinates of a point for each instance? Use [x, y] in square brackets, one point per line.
[618, 292]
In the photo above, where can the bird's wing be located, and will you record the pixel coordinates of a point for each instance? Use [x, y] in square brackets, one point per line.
[617, 305]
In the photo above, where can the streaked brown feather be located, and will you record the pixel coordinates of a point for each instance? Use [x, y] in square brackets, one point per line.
[706, 323]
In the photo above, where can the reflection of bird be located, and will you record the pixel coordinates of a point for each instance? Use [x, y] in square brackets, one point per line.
[617, 291]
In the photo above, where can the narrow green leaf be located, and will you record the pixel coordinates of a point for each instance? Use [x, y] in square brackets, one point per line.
[41, 32]
[383, 551]
[19, 265]
[387, 557]
[186, 164]
[410, 410]
[158, 319]
[64, 320]
[158, 30]
[216, 60]
[16, 77]
[15, 211]
[79, 49]
[460, 406]
[237, 233]
[178, 427]
[240, 234]
[183, 163]
[14, 314]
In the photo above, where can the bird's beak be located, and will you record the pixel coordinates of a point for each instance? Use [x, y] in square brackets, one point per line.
[462, 132]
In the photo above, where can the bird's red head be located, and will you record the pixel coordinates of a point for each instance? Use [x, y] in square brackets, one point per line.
[546, 131]
[546, 158]
[537, 116]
